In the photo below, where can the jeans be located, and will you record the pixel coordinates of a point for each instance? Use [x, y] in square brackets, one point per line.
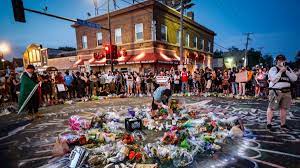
[234, 88]
[184, 86]
[242, 89]
[176, 88]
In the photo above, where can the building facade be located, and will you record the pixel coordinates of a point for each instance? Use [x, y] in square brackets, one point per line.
[147, 35]
[33, 55]
[42, 58]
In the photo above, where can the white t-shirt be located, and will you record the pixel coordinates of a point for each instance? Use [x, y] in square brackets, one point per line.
[176, 79]
[274, 77]
[138, 79]
[109, 79]
[129, 79]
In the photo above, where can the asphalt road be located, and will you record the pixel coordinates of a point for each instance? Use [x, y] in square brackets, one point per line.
[26, 143]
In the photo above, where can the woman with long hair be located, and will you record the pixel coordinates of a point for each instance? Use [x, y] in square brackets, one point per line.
[225, 83]
[129, 83]
[138, 81]
[261, 82]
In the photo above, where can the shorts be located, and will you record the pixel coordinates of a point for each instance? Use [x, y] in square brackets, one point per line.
[225, 87]
[129, 84]
[281, 100]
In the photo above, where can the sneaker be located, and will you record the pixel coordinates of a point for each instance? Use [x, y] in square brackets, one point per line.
[269, 126]
[284, 127]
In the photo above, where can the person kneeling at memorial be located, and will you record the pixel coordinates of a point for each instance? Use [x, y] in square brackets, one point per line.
[160, 101]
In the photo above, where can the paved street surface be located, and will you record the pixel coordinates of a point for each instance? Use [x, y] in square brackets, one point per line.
[29, 144]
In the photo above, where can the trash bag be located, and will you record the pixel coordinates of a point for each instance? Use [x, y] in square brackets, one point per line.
[60, 147]
[183, 159]
[236, 132]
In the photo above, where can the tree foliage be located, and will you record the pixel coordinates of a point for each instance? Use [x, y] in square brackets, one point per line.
[66, 48]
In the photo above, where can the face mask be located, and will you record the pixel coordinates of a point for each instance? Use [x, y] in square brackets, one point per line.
[281, 64]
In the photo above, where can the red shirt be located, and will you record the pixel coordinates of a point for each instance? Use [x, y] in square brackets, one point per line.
[184, 77]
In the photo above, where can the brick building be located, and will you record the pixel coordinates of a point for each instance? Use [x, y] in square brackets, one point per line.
[42, 58]
[149, 33]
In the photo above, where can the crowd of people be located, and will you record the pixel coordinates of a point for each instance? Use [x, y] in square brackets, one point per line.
[55, 87]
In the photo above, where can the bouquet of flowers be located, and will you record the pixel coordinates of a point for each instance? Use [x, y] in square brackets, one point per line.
[128, 139]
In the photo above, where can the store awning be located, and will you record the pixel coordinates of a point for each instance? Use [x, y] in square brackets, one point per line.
[100, 62]
[78, 62]
[123, 59]
[142, 58]
[167, 59]
[153, 57]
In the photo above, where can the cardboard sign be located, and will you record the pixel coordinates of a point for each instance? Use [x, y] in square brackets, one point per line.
[241, 77]
[61, 87]
[162, 80]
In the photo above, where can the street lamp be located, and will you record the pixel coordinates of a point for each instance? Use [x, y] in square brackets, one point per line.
[4, 49]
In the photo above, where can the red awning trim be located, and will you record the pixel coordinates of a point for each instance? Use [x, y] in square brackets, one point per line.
[133, 59]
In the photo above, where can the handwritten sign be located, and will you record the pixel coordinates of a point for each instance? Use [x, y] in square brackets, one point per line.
[241, 77]
[163, 80]
[61, 87]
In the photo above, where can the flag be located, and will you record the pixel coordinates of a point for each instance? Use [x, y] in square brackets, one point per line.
[27, 89]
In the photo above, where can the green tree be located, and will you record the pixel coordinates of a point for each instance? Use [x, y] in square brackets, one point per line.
[254, 57]
[268, 60]
[66, 48]
[218, 54]
[297, 57]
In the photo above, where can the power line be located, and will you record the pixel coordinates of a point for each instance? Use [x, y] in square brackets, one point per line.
[220, 46]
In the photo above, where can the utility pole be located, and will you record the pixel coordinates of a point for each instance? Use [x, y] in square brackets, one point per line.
[246, 50]
[184, 4]
[181, 34]
[96, 5]
[110, 43]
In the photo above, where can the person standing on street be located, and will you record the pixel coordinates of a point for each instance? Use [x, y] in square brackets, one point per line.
[69, 83]
[197, 79]
[14, 85]
[184, 79]
[33, 103]
[280, 77]
[242, 85]
[93, 84]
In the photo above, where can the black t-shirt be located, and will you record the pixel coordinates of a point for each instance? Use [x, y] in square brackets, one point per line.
[149, 79]
[207, 76]
[232, 77]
